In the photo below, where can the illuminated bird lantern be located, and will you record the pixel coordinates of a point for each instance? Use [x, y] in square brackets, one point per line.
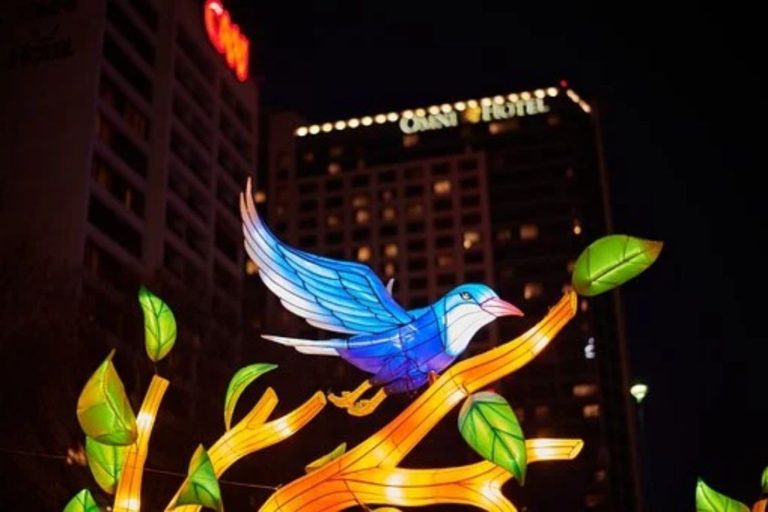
[400, 348]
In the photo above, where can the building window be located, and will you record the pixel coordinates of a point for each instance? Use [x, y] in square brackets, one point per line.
[469, 164]
[600, 476]
[308, 205]
[417, 264]
[441, 169]
[470, 201]
[442, 205]
[410, 140]
[336, 151]
[359, 200]
[359, 235]
[471, 239]
[444, 223]
[473, 257]
[576, 227]
[387, 177]
[117, 186]
[334, 238]
[584, 390]
[332, 221]
[442, 187]
[413, 173]
[415, 210]
[500, 127]
[414, 191]
[260, 197]
[390, 250]
[570, 266]
[418, 283]
[334, 169]
[362, 217]
[389, 214]
[529, 232]
[504, 235]
[469, 183]
[390, 269]
[444, 260]
[444, 242]
[387, 195]
[114, 227]
[417, 245]
[308, 241]
[532, 290]
[542, 412]
[251, 268]
[591, 411]
[584, 305]
[361, 180]
[446, 280]
[364, 253]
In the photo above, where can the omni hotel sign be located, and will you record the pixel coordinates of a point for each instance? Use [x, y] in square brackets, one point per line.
[487, 112]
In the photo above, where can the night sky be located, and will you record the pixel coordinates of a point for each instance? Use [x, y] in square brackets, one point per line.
[681, 93]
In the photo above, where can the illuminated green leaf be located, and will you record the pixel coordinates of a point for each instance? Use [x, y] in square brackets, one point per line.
[612, 261]
[201, 486]
[488, 424]
[709, 500]
[764, 480]
[82, 502]
[241, 380]
[325, 459]
[159, 325]
[106, 463]
[103, 409]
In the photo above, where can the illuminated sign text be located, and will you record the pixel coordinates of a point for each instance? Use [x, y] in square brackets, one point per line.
[485, 113]
[227, 38]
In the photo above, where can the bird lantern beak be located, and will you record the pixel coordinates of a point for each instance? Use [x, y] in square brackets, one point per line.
[498, 307]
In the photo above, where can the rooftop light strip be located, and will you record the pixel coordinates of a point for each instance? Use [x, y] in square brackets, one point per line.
[392, 117]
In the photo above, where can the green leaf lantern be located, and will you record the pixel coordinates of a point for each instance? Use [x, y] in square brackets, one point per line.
[709, 500]
[488, 424]
[611, 261]
[159, 325]
[103, 409]
[764, 480]
[241, 380]
[82, 502]
[106, 463]
[201, 486]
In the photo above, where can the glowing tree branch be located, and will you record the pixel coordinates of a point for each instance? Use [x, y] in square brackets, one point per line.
[368, 472]
[252, 434]
[128, 494]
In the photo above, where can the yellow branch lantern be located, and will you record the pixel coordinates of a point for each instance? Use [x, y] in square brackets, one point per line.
[369, 474]
[252, 434]
[128, 494]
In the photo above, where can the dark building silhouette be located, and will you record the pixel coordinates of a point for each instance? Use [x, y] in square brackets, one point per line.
[505, 190]
[126, 139]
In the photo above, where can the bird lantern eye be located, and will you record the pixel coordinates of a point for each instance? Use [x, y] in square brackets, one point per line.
[466, 296]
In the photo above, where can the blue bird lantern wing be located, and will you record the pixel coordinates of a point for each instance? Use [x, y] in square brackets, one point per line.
[338, 296]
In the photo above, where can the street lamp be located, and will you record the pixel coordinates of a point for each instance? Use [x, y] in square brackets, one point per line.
[638, 391]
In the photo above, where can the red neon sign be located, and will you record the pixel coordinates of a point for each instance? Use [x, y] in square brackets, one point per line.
[226, 37]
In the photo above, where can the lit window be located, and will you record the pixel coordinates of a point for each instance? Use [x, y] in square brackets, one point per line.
[569, 173]
[389, 269]
[582, 390]
[410, 140]
[333, 221]
[529, 232]
[584, 305]
[600, 475]
[362, 216]
[364, 253]
[532, 290]
[309, 157]
[390, 250]
[442, 187]
[576, 227]
[503, 235]
[541, 412]
[497, 128]
[251, 268]
[359, 201]
[570, 266]
[389, 213]
[334, 168]
[589, 349]
[336, 151]
[261, 197]
[591, 411]
[387, 195]
[471, 238]
[415, 210]
[520, 413]
[444, 260]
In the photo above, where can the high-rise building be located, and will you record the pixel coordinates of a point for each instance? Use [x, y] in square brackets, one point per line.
[129, 128]
[504, 190]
